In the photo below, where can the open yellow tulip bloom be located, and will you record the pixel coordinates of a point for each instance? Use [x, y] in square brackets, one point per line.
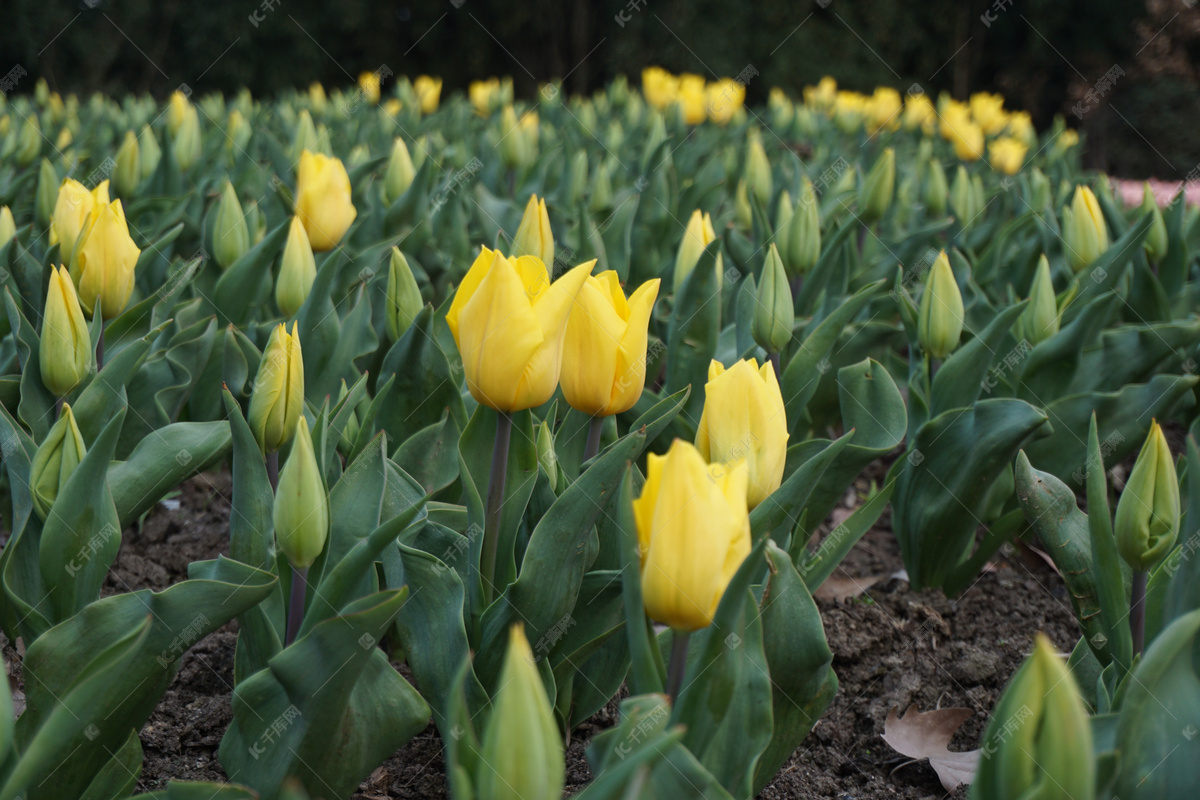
[744, 419]
[693, 533]
[604, 353]
[323, 199]
[105, 260]
[509, 321]
[72, 208]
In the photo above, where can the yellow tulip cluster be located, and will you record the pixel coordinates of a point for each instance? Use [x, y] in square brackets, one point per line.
[718, 101]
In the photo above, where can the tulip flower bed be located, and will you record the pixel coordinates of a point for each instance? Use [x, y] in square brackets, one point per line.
[369, 429]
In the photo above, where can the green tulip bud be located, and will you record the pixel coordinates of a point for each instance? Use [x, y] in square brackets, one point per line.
[1084, 231]
[29, 143]
[801, 242]
[522, 748]
[846, 183]
[8, 226]
[403, 296]
[1039, 320]
[546, 456]
[741, 207]
[301, 505]
[511, 141]
[940, 320]
[615, 136]
[774, 314]
[278, 397]
[297, 270]
[350, 432]
[400, 172]
[936, 190]
[578, 177]
[420, 151]
[127, 173]
[65, 350]
[1039, 740]
[962, 198]
[534, 236]
[875, 193]
[56, 458]
[758, 169]
[47, 193]
[305, 136]
[230, 236]
[783, 210]
[150, 153]
[1155, 243]
[186, 146]
[1147, 519]
[1039, 186]
[656, 135]
[601, 193]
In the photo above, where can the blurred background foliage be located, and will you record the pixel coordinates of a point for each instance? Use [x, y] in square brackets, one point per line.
[1043, 55]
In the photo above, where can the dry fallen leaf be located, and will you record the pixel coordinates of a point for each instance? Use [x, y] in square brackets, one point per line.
[927, 735]
[838, 588]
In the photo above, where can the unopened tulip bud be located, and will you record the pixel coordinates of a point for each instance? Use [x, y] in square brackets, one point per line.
[177, 109]
[105, 259]
[601, 191]
[962, 197]
[305, 136]
[186, 145]
[800, 247]
[150, 153]
[297, 271]
[940, 320]
[1039, 186]
[578, 177]
[127, 173]
[8, 226]
[1085, 233]
[758, 169]
[56, 458]
[350, 432]
[238, 132]
[400, 172]
[403, 296]
[323, 200]
[774, 314]
[301, 511]
[316, 97]
[522, 755]
[936, 191]
[783, 211]
[1038, 742]
[1155, 243]
[29, 143]
[65, 351]
[742, 211]
[231, 238]
[534, 236]
[698, 235]
[1039, 320]
[278, 397]
[547, 458]
[1147, 519]
[875, 193]
[47, 193]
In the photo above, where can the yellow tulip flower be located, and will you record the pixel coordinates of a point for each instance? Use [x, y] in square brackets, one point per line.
[278, 396]
[316, 97]
[822, 96]
[369, 84]
[1007, 155]
[8, 226]
[65, 351]
[693, 533]
[177, 110]
[604, 353]
[919, 113]
[691, 98]
[105, 259]
[534, 237]
[988, 112]
[883, 110]
[509, 321]
[659, 87]
[71, 211]
[1085, 232]
[744, 420]
[483, 95]
[723, 99]
[323, 199]
[429, 92]
[698, 235]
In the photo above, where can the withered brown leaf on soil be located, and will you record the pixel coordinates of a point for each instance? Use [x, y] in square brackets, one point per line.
[927, 735]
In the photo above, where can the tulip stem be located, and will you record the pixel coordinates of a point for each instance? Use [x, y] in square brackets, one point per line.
[273, 470]
[1137, 611]
[775, 363]
[296, 604]
[595, 424]
[678, 663]
[495, 503]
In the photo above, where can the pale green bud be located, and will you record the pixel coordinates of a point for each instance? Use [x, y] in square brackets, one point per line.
[1039, 320]
[1155, 243]
[403, 296]
[783, 210]
[350, 432]
[29, 143]
[774, 314]
[150, 153]
[1084, 231]
[522, 749]
[301, 505]
[305, 135]
[962, 198]
[400, 172]
[8, 226]
[741, 207]
[875, 193]
[758, 168]
[230, 236]
[127, 173]
[547, 458]
[1147, 520]
[940, 320]
[186, 146]
[1039, 186]
[936, 191]
[47, 193]
[56, 458]
[578, 177]
[601, 196]
[297, 270]
[800, 245]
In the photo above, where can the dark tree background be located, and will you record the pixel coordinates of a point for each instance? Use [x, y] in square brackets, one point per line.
[1044, 55]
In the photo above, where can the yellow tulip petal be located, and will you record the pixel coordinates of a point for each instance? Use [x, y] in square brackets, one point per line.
[468, 287]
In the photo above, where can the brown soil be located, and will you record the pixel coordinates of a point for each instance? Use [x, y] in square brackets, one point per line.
[893, 647]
